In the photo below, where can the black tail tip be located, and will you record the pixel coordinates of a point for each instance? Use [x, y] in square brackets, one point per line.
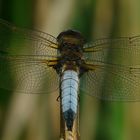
[69, 126]
[69, 117]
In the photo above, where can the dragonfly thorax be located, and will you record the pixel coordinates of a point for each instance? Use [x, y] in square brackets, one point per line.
[70, 44]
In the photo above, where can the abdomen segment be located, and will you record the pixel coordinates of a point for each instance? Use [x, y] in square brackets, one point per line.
[69, 96]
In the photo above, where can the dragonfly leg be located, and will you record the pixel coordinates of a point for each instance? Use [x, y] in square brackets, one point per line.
[58, 98]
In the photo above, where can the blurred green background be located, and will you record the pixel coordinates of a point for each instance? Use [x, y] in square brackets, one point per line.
[36, 117]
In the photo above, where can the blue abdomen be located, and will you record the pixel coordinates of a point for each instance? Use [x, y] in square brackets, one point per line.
[69, 96]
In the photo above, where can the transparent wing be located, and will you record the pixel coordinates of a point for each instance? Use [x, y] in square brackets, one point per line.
[18, 41]
[28, 74]
[27, 59]
[121, 51]
[114, 69]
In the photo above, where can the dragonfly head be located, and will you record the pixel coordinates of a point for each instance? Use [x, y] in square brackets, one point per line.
[71, 39]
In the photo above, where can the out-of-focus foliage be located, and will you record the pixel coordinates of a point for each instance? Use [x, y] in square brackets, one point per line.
[36, 117]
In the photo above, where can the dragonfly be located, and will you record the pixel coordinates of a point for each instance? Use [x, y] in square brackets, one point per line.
[107, 68]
